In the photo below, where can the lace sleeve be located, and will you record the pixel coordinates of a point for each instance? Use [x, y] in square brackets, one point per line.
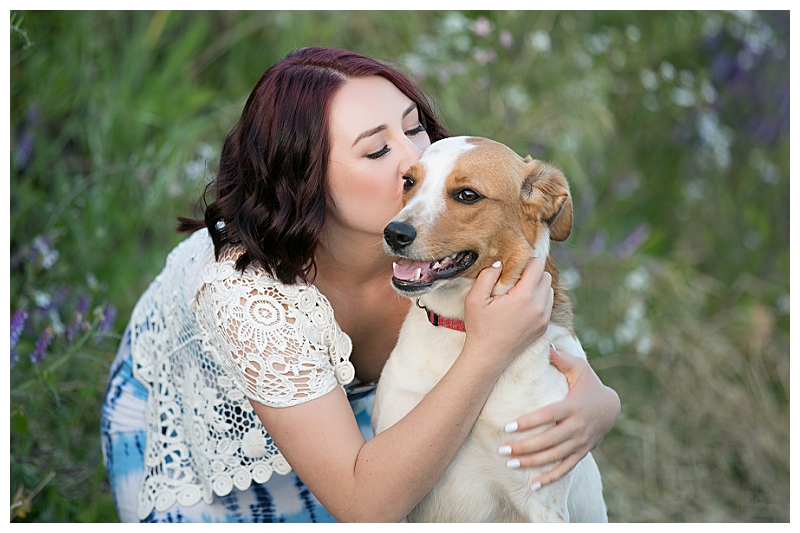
[280, 343]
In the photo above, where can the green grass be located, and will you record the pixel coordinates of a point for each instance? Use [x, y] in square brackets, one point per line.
[670, 127]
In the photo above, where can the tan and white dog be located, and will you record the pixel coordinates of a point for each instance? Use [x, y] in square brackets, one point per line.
[468, 202]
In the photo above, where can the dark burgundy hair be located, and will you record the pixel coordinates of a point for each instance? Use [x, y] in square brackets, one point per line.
[269, 192]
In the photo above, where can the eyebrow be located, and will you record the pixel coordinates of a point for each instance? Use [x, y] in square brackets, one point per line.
[382, 127]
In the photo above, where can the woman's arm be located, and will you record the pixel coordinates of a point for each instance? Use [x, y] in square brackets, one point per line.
[384, 478]
[581, 421]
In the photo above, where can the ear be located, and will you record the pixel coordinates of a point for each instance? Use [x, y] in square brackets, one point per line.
[546, 198]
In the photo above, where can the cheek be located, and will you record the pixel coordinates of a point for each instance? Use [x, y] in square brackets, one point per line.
[373, 192]
[366, 196]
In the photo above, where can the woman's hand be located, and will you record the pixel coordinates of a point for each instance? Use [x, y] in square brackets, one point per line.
[581, 421]
[503, 325]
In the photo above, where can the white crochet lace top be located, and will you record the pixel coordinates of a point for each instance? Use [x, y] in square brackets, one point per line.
[204, 339]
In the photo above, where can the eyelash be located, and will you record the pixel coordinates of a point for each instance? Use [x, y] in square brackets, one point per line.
[385, 150]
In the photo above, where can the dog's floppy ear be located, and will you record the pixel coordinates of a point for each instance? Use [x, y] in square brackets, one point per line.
[546, 197]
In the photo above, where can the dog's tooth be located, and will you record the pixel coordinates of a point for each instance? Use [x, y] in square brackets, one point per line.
[394, 265]
[436, 265]
[418, 275]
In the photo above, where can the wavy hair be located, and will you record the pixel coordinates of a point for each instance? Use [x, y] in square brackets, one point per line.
[269, 190]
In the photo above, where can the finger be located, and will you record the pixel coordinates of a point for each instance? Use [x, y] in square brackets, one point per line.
[558, 472]
[532, 276]
[553, 437]
[486, 280]
[574, 368]
[563, 361]
[548, 308]
[548, 457]
[550, 414]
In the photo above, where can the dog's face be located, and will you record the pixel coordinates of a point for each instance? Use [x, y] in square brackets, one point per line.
[469, 202]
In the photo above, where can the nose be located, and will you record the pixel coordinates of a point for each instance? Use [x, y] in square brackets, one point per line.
[411, 155]
[398, 235]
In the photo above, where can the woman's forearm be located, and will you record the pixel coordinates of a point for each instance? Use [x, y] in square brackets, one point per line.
[384, 478]
[398, 467]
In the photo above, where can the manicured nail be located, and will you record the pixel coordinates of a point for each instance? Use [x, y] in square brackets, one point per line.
[536, 486]
[505, 449]
[511, 427]
[552, 347]
[497, 264]
[513, 464]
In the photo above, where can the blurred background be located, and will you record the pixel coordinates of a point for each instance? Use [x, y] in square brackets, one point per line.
[672, 128]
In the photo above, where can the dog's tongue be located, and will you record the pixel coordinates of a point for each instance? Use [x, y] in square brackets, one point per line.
[406, 269]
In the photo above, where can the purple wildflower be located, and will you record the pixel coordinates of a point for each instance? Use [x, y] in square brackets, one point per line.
[25, 141]
[17, 323]
[42, 343]
[33, 114]
[633, 240]
[83, 305]
[24, 148]
[109, 316]
[627, 185]
[596, 244]
[78, 320]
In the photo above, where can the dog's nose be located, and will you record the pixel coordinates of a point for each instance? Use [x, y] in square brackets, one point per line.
[398, 235]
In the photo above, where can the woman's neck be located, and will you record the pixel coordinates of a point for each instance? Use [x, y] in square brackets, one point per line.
[352, 262]
[354, 273]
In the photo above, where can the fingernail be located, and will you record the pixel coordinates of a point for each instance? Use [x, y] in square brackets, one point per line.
[497, 264]
[536, 486]
[552, 347]
[513, 464]
[504, 450]
[511, 427]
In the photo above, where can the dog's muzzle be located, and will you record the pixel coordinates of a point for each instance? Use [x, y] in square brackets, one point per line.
[398, 235]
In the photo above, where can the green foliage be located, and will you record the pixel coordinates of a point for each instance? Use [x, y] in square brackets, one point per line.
[672, 128]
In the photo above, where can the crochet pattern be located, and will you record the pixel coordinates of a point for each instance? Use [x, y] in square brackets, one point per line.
[205, 338]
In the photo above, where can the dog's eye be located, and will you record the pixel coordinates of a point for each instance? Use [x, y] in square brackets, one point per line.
[408, 182]
[467, 196]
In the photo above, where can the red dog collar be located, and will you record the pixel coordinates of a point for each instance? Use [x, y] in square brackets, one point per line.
[436, 320]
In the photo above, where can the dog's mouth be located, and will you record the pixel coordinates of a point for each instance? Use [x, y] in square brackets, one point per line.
[415, 276]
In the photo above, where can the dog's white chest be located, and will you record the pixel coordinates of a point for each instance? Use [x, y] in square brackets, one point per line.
[478, 486]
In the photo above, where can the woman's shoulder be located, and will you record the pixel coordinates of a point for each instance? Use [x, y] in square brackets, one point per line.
[222, 271]
[221, 278]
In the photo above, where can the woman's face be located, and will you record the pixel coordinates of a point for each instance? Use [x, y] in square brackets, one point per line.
[376, 136]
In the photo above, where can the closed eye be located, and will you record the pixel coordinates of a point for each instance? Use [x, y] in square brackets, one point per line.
[467, 196]
[375, 155]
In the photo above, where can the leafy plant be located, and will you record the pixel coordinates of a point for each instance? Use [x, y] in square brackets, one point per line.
[671, 126]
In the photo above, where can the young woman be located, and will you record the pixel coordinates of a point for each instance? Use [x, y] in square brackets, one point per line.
[243, 388]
